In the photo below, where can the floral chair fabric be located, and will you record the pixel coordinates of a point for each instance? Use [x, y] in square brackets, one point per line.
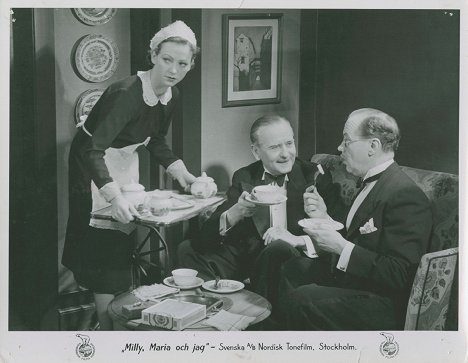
[427, 308]
[429, 299]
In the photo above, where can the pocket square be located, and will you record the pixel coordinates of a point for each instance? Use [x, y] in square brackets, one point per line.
[368, 227]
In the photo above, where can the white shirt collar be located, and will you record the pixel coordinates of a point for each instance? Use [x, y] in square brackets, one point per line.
[378, 169]
[266, 171]
[150, 98]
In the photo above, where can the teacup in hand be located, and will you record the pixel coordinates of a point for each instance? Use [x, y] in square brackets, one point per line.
[184, 276]
[266, 193]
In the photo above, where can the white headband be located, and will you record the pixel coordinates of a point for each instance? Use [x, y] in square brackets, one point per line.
[176, 29]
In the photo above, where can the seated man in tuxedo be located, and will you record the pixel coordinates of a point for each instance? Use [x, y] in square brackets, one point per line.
[240, 240]
[386, 232]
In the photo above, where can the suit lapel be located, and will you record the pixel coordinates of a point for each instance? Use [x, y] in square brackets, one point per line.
[256, 178]
[368, 205]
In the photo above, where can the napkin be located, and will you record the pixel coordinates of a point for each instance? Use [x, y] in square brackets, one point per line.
[225, 321]
[154, 291]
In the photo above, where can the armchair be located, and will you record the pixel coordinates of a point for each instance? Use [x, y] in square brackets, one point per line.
[434, 295]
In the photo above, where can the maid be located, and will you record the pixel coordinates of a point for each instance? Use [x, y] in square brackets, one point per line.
[132, 112]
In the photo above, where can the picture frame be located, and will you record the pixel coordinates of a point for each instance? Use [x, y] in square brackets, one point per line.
[252, 47]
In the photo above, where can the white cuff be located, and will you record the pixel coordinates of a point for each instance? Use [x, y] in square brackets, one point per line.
[344, 257]
[110, 191]
[176, 169]
[224, 225]
[310, 248]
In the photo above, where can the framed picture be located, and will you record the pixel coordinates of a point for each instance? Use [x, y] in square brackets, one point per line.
[251, 59]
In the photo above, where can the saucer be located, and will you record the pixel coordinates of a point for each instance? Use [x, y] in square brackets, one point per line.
[320, 223]
[281, 199]
[169, 281]
[224, 286]
[178, 204]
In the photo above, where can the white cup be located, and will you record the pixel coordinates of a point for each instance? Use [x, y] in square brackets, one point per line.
[266, 193]
[184, 276]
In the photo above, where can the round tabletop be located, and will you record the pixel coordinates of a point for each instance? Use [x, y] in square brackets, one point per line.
[242, 302]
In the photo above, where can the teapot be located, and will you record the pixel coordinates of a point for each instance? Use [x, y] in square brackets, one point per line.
[134, 193]
[203, 187]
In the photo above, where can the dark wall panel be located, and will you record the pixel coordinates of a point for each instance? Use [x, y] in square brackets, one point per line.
[404, 62]
[186, 137]
[144, 23]
[307, 86]
[33, 177]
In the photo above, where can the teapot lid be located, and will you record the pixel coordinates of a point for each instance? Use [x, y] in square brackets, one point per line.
[132, 187]
[204, 178]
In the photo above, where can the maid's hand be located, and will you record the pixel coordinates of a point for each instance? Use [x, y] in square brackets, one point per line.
[178, 171]
[122, 210]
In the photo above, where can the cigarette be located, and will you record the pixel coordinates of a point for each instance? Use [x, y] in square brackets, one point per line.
[320, 169]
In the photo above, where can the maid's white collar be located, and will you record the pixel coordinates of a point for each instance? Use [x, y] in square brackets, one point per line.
[149, 96]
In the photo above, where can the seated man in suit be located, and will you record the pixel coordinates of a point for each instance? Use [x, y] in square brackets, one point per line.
[237, 241]
[387, 230]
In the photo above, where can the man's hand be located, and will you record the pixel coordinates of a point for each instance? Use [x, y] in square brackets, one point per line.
[282, 234]
[122, 210]
[327, 240]
[314, 206]
[242, 209]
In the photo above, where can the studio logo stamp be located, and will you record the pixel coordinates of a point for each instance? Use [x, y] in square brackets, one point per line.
[389, 348]
[84, 350]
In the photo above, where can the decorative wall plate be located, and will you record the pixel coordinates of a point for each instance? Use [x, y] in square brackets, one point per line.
[86, 101]
[94, 16]
[96, 58]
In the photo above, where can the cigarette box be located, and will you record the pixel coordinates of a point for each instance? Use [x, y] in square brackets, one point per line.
[173, 314]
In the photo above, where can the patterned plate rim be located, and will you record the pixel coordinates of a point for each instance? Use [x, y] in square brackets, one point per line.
[88, 19]
[114, 59]
[81, 98]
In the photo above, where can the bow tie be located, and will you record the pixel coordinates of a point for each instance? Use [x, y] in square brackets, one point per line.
[278, 179]
[362, 183]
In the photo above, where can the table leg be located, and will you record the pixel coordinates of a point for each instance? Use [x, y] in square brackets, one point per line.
[137, 268]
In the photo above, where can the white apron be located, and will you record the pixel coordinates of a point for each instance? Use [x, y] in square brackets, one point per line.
[123, 169]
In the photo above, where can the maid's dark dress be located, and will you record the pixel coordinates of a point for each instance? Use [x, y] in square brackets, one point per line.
[104, 151]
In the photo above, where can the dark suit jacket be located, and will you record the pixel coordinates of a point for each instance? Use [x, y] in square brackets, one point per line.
[244, 233]
[385, 261]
